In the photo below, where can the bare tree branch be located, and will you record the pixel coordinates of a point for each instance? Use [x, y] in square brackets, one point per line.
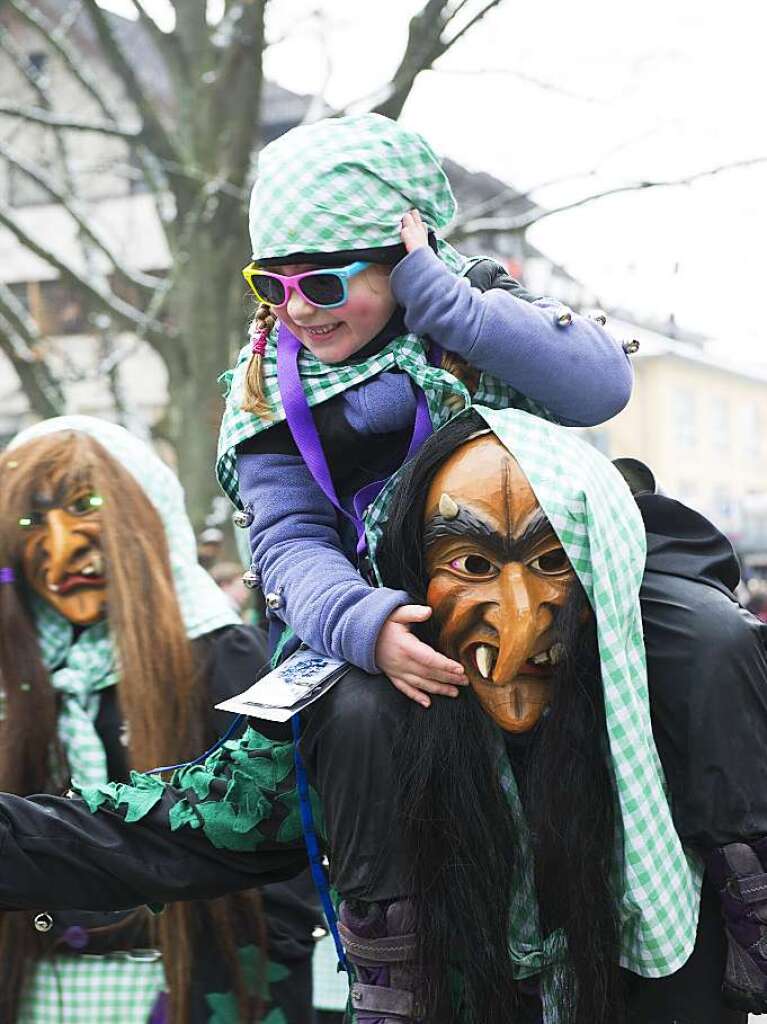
[526, 220]
[127, 314]
[23, 65]
[18, 340]
[426, 44]
[76, 66]
[39, 116]
[166, 42]
[489, 5]
[539, 83]
[153, 130]
[79, 216]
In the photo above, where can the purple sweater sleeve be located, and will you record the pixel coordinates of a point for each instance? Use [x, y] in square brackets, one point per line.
[578, 372]
[297, 551]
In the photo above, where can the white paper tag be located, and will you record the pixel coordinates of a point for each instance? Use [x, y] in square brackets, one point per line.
[297, 682]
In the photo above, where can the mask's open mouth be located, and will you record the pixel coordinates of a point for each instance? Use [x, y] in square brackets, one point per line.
[482, 658]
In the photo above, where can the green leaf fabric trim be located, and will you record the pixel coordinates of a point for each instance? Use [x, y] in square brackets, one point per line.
[224, 1004]
[291, 828]
[140, 795]
[183, 814]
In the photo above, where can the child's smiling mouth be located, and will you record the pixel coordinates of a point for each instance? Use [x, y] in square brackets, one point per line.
[324, 331]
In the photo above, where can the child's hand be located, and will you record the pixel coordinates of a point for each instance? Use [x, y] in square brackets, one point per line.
[411, 665]
[413, 232]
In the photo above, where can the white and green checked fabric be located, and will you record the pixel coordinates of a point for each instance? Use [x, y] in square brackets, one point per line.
[83, 989]
[322, 381]
[344, 183]
[597, 521]
[79, 670]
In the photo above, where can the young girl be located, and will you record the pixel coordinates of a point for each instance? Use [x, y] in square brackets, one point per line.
[385, 331]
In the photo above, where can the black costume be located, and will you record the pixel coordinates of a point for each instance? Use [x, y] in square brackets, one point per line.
[707, 673]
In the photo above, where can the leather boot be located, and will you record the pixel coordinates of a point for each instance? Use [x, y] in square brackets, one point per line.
[380, 944]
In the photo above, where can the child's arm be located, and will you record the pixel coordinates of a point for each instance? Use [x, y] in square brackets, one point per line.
[578, 372]
[298, 554]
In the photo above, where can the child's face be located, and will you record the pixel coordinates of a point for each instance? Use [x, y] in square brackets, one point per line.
[334, 335]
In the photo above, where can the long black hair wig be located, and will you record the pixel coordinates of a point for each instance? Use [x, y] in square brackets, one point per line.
[461, 841]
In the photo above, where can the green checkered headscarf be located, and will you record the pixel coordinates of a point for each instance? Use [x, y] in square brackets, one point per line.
[83, 666]
[599, 525]
[344, 183]
[337, 185]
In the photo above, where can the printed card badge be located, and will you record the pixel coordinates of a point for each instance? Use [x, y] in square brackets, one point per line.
[295, 684]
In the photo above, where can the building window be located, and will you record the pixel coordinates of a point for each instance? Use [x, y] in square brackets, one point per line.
[685, 418]
[720, 424]
[752, 427]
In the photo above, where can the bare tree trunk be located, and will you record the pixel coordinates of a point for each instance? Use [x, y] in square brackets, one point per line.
[210, 310]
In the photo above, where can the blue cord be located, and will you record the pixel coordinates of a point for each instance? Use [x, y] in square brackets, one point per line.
[313, 846]
[239, 719]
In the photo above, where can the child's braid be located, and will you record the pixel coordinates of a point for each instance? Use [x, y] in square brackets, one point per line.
[253, 397]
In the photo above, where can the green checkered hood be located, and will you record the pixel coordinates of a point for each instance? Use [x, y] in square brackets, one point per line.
[597, 520]
[83, 664]
[344, 183]
[335, 185]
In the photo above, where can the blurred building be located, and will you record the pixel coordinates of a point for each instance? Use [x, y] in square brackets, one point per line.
[699, 421]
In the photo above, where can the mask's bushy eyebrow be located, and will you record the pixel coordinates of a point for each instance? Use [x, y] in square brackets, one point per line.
[469, 525]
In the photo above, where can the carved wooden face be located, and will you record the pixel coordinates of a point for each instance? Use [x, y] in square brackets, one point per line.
[497, 573]
[62, 558]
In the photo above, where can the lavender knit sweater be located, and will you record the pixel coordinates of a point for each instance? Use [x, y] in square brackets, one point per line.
[578, 372]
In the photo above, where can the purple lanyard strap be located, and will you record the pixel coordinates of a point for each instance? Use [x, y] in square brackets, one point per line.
[301, 424]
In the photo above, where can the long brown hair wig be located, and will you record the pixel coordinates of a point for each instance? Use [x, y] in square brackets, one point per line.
[161, 692]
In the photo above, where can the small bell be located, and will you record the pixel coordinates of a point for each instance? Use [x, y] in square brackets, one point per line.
[598, 316]
[43, 922]
[273, 601]
[242, 518]
[630, 347]
[251, 579]
[564, 318]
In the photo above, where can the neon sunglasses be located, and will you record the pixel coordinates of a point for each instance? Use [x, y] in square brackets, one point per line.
[324, 289]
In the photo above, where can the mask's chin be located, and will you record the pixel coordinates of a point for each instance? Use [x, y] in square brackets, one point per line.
[516, 706]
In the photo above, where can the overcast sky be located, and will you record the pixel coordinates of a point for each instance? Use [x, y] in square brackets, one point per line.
[644, 91]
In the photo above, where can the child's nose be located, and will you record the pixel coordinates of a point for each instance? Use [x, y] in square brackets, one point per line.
[298, 308]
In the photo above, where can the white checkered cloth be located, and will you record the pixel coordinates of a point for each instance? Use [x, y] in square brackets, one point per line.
[111, 989]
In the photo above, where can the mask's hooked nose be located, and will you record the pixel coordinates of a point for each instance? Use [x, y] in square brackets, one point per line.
[516, 624]
[62, 544]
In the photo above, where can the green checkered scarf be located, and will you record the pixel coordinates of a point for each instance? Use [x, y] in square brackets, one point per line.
[340, 184]
[344, 183]
[601, 529]
[81, 669]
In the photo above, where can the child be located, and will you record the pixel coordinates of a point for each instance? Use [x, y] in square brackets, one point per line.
[364, 293]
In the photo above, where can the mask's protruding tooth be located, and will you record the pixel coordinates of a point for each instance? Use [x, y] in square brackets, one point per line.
[557, 653]
[485, 659]
[540, 659]
[98, 563]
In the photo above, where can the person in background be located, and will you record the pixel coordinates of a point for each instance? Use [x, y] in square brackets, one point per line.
[114, 646]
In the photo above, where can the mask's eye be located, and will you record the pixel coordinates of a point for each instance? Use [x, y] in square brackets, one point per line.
[32, 520]
[85, 503]
[473, 565]
[551, 563]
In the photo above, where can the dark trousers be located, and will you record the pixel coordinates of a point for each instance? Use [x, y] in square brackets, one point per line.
[348, 738]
